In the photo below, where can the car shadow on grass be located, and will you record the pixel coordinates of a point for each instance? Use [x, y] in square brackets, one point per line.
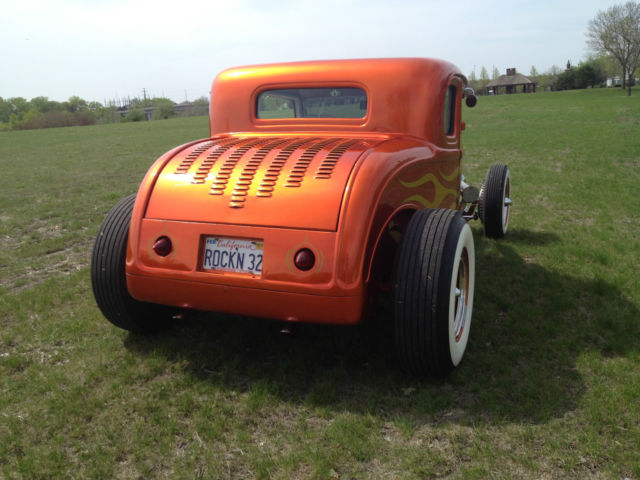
[531, 326]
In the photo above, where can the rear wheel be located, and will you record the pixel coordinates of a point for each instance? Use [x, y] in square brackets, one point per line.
[108, 276]
[495, 201]
[433, 290]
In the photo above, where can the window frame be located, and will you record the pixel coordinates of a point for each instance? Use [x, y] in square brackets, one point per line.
[298, 103]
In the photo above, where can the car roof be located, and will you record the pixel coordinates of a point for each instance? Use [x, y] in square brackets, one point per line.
[405, 95]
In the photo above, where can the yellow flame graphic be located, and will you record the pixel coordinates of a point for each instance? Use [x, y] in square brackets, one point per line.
[441, 192]
[430, 177]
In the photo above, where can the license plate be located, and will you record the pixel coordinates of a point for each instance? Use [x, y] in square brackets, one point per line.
[233, 255]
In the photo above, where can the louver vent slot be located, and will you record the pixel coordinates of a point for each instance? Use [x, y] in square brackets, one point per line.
[267, 185]
[222, 177]
[296, 176]
[329, 163]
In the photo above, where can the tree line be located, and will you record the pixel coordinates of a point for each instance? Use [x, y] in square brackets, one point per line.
[17, 113]
[589, 73]
[614, 35]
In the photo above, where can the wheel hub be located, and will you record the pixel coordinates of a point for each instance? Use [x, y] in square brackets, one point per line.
[462, 287]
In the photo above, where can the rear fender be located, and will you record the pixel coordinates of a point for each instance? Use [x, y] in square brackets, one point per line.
[400, 174]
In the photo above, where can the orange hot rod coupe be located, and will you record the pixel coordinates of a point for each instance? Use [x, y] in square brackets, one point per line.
[320, 183]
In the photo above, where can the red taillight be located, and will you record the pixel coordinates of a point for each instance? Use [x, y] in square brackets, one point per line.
[304, 259]
[162, 246]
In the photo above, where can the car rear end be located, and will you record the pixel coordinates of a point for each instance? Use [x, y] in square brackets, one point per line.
[248, 224]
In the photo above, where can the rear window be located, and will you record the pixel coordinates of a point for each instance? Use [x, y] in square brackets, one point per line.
[338, 102]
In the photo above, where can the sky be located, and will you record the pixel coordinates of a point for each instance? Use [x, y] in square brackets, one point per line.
[102, 50]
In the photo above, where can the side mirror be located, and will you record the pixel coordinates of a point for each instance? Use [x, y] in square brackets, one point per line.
[470, 97]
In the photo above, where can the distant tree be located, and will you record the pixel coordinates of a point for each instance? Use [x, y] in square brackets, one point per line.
[555, 70]
[136, 114]
[609, 64]
[5, 110]
[30, 116]
[76, 104]
[549, 79]
[108, 114]
[21, 121]
[19, 105]
[533, 74]
[479, 84]
[588, 74]
[163, 108]
[472, 80]
[27, 119]
[13, 110]
[591, 74]
[567, 79]
[201, 101]
[43, 104]
[495, 74]
[14, 121]
[616, 31]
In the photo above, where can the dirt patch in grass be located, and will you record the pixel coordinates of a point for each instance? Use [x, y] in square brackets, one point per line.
[58, 261]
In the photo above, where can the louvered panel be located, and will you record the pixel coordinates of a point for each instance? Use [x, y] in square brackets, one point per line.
[291, 181]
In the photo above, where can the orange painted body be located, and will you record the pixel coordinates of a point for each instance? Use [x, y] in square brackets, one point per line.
[331, 185]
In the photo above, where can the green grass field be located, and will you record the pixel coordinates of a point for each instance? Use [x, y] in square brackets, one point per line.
[550, 384]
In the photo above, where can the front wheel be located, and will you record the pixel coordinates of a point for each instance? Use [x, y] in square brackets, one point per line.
[108, 276]
[495, 201]
[434, 286]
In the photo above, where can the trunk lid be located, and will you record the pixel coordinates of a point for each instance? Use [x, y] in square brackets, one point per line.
[276, 181]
